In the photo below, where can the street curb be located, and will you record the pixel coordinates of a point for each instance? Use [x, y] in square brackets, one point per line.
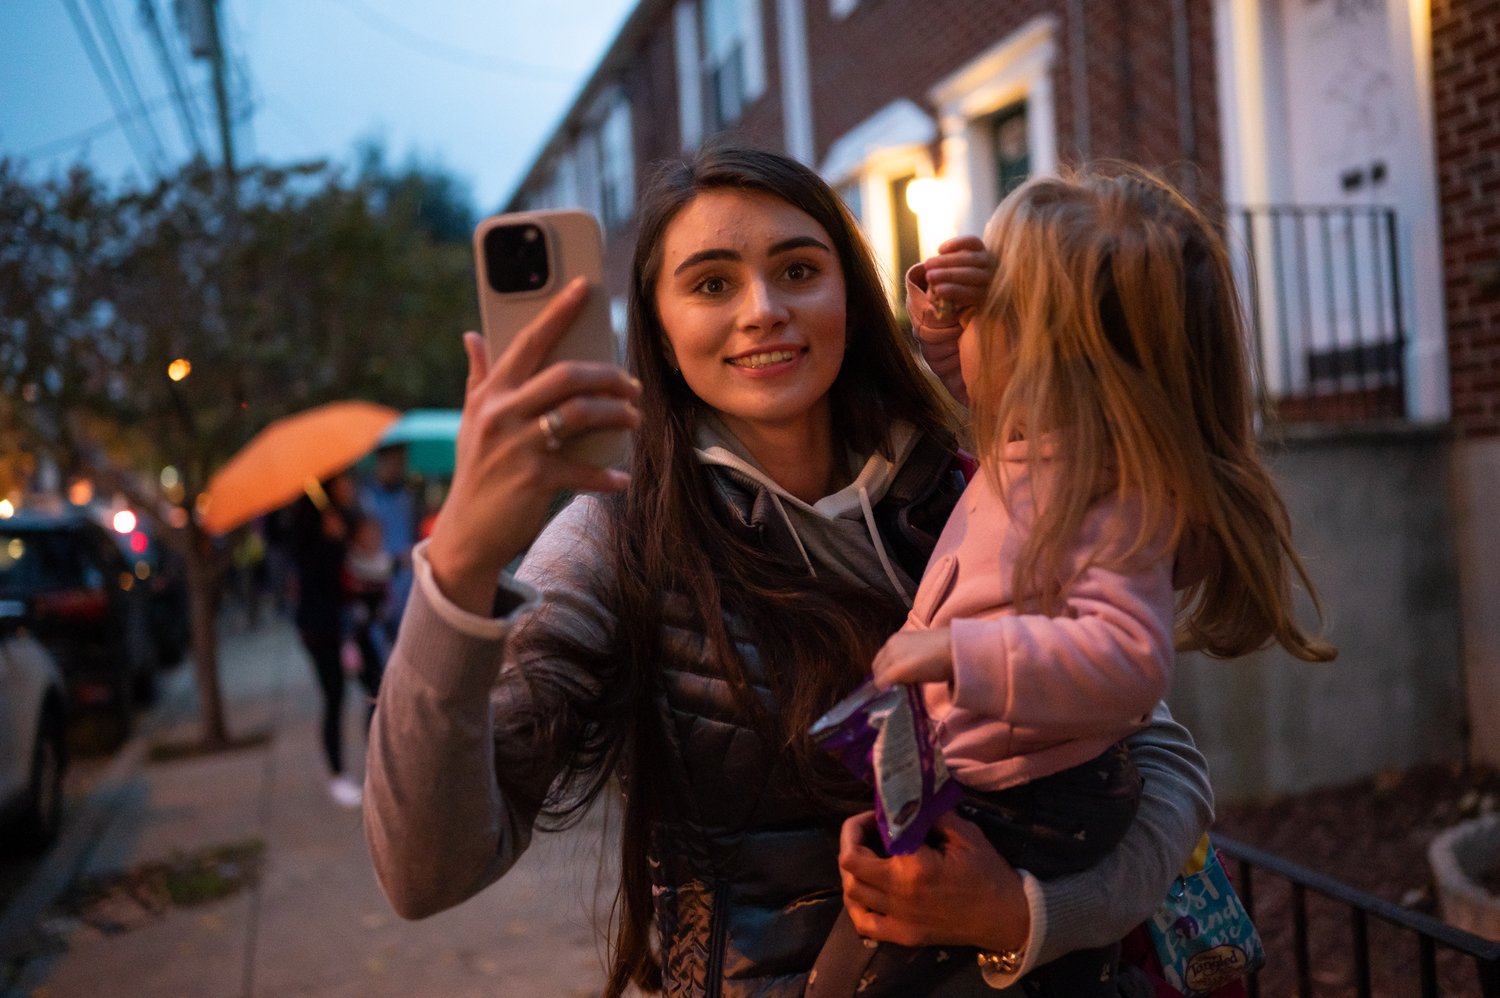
[72, 851]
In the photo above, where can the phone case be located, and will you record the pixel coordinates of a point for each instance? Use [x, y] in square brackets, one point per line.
[574, 248]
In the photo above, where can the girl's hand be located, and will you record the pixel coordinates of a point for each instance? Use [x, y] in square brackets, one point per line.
[943, 294]
[505, 474]
[959, 275]
[961, 893]
[914, 657]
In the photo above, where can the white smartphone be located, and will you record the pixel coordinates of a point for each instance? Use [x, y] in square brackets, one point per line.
[522, 261]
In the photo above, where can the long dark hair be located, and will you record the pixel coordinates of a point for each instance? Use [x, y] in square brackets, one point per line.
[671, 534]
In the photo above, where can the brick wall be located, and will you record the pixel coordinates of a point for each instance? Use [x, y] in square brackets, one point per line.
[1466, 95]
[887, 49]
[890, 49]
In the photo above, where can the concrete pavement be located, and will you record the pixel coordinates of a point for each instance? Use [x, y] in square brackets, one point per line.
[315, 923]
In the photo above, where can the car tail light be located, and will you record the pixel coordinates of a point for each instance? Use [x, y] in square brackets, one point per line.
[79, 606]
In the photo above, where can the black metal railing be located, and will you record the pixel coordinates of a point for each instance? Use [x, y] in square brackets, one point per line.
[1323, 296]
[1427, 934]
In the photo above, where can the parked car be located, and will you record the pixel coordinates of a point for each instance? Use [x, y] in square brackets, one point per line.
[86, 605]
[161, 571]
[33, 735]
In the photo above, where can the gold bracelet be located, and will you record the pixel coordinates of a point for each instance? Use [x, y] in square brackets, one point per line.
[1006, 961]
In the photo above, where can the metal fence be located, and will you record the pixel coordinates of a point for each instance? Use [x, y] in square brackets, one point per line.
[1426, 934]
[1323, 296]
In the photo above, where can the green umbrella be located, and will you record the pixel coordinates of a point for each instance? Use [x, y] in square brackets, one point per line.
[428, 435]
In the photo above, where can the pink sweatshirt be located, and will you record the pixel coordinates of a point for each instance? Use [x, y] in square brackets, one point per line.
[1033, 695]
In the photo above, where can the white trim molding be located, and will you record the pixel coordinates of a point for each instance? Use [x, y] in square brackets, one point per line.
[1018, 68]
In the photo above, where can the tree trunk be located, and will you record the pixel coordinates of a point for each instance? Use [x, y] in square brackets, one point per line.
[203, 585]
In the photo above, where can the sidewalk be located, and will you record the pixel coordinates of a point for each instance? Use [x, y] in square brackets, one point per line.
[316, 923]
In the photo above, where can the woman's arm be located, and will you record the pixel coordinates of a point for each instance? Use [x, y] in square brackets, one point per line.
[449, 806]
[966, 894]
[438, 825]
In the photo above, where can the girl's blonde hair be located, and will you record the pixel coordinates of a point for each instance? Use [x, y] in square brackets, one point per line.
[1112, 331]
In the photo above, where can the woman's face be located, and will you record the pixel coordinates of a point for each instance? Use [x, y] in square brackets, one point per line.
[751, 298]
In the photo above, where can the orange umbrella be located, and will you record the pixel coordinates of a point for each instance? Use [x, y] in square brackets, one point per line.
[288, 456]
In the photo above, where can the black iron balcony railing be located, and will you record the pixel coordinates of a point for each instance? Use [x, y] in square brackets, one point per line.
[1425, 935]
[1323, 296]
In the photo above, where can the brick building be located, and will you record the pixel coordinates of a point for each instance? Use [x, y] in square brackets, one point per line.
[1352, 148]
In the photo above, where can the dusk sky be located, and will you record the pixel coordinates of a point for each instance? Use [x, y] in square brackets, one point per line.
[474, 86]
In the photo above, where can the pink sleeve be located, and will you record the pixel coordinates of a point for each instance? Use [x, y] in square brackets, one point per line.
[1100, 667]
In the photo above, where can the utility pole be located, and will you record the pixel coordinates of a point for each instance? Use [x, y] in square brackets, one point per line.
[200, 22]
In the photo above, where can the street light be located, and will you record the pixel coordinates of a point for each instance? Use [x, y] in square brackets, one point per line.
[179, 369]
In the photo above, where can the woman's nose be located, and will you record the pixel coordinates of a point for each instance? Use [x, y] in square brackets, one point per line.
[761, 307]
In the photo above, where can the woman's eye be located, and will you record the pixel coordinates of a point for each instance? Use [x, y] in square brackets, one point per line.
[712, 285]
[800, 271]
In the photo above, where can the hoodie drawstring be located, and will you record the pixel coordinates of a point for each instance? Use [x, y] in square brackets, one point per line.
[885, 561]
[792, 528]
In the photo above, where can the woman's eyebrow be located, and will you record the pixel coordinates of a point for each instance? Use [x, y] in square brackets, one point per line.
[798, 242]
[776, 249]
[704, 255]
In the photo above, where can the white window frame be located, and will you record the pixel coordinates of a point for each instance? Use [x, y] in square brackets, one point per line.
[689, 82]
[749, 38]
[893, 142]
[616, 146]
[1018, 68]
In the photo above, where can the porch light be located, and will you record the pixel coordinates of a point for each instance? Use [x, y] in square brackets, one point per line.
[931, 200]
[179, 369]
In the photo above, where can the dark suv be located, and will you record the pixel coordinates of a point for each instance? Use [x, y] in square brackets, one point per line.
[86, 605]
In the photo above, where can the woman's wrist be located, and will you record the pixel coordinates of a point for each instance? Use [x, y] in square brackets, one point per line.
[463, 581]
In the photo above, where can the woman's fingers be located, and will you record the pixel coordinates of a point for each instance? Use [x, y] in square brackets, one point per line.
[479, 361]
[523, 357]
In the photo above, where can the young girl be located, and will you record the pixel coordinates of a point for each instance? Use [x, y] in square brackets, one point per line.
[1121, 511]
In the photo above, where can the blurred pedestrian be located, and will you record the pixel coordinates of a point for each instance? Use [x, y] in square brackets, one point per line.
[321, 524]
[367, 588]
[388, 497]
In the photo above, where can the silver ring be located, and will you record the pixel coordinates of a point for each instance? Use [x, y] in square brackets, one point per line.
[551, 423]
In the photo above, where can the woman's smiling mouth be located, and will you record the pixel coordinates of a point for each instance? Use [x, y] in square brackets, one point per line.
[763, 359]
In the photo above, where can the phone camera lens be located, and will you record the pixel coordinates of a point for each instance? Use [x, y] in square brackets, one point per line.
[515, 258]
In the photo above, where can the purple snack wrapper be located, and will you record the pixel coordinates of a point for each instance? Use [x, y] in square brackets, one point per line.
[885, 738]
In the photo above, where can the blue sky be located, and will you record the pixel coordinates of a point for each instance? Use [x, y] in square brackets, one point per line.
[473, 85]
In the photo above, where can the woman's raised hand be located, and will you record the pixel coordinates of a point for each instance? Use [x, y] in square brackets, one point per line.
[508, 465]
[961, 893]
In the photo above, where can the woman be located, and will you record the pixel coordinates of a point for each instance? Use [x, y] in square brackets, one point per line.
[791, 469]
[320, 534]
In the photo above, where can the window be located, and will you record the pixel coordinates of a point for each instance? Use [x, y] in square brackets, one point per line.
[1011, 147]
[733, 59]
[850, 192]
[617, 166]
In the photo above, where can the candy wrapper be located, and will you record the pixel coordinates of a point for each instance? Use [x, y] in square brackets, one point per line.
[885, 738]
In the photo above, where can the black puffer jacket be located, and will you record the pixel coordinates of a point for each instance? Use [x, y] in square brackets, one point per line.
[745, 875]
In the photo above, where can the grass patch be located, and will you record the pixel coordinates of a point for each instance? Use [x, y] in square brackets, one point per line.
[118, 901]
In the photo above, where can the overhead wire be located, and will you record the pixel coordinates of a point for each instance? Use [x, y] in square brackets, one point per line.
[105, 25]
[445, 52]
[165, 54]
[124, 116]
[83, 135]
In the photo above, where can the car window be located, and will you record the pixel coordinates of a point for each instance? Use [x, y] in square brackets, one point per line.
[33, 561]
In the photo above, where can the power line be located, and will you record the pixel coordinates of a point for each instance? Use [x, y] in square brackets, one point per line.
[445, 52]
[124, 117]
[185, 116]
[105, 25]
[99, 128]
